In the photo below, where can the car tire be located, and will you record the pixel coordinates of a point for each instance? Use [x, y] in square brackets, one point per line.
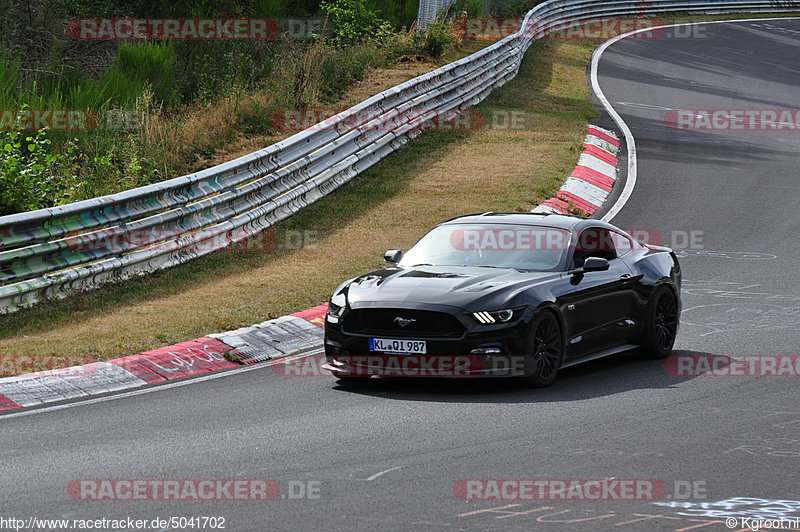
[661, 325]
[544, 350]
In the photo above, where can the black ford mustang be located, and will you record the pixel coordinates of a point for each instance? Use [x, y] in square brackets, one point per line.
[505, 294]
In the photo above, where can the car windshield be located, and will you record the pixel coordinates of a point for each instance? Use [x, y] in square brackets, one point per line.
[521, 247]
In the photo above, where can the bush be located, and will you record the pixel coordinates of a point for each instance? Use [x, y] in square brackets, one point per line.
[509, 8]
[402, 45]
[211, 69]
[472, 8]
[165, 107]
[345, 66]
[30, 177]
[354, 22]
[439, 39]
[269, 8]
[401, 13]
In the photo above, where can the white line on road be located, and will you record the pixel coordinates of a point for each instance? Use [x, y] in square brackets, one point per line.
[376, 475]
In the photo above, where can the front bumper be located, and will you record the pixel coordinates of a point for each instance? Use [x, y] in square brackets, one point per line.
[482, 351]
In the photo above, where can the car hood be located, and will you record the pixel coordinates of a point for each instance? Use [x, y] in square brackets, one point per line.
[464, 287]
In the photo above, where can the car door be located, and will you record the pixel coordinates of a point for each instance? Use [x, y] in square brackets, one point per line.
[597, 305]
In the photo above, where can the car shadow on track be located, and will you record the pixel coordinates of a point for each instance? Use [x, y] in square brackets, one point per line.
[598, 378]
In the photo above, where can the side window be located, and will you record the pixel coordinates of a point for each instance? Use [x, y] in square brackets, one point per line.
[594, 242]
[622, 244]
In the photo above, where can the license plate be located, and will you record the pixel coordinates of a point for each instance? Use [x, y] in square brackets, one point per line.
[411, 347]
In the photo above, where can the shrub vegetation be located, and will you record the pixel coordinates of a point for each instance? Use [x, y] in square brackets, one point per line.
[164, 108]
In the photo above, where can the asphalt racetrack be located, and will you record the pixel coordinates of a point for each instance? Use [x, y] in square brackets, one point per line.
[394, 454]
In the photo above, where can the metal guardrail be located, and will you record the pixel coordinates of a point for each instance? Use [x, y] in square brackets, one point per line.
[50, 253]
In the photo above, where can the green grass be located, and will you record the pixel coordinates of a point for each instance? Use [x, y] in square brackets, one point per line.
[117, 87]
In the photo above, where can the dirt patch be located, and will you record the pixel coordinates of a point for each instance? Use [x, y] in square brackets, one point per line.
[380, 79]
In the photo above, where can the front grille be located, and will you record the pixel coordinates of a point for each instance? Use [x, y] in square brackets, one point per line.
[384, 321]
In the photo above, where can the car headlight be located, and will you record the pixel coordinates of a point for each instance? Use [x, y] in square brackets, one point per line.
[334, 311]
[497, 316]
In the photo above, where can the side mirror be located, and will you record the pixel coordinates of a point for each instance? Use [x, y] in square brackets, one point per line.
[393, 256]
[595, 264]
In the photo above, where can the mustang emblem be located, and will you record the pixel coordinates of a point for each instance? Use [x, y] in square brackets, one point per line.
[402, 322]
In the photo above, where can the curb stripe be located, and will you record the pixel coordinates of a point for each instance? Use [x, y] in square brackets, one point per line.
[547, 209]
[578, 201]
[603, 134]
[596, 164]
[592, 179]
[7, 404]
[583, 189]
[550, 206]
[600, 143]
[180, 360]
[315, 315]
[558, 204]
[588, 174]
[278, 338]
[600, 153]
[61, 385]
[282, 337]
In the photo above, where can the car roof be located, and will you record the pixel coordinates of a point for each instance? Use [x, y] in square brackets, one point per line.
[561, 221]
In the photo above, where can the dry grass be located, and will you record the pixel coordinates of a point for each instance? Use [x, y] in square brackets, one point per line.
[375, 81]
[203, 135]
[440, 174]
[381, 79]
[214, 131]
